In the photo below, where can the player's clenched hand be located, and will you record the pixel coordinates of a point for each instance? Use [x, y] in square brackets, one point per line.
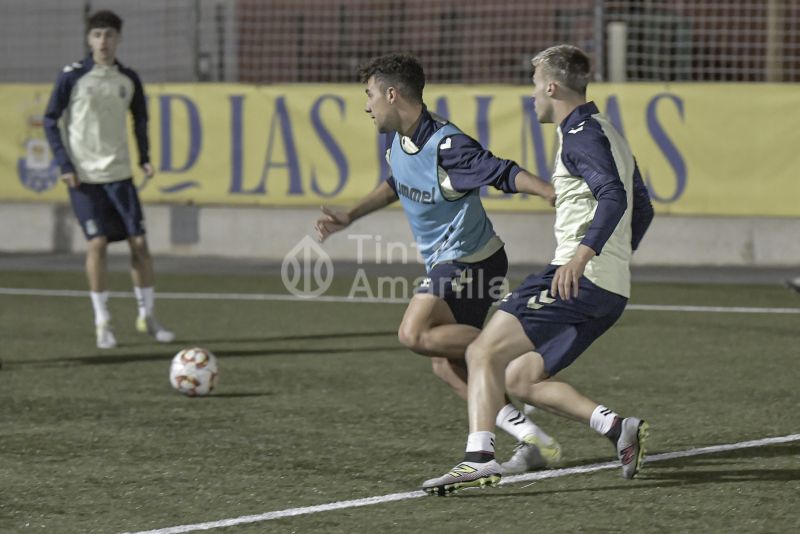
[71, 179]
[331, 221]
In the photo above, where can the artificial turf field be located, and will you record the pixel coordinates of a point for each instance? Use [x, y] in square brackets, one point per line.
[318, 403]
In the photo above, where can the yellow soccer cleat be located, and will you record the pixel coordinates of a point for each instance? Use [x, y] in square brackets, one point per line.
[531, 454]
[464, 475]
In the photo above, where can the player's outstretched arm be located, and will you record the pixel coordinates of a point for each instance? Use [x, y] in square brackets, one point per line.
[526, 182]
[333, 220]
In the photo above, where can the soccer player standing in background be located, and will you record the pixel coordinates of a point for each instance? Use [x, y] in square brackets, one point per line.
[92, 98]
[602, 212]
[437, 172]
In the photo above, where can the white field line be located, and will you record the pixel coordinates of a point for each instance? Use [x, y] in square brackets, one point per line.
[528, 477]
[12, 291]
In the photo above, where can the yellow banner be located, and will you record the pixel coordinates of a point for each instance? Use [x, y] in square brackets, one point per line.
[704, 149]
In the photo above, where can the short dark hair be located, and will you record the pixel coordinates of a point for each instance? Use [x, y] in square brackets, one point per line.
[565, 64]
[401, 71]
[104, 19]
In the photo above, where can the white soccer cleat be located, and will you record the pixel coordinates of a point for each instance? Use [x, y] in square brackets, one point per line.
[531, 454]
[105, 336]
[149, 325]
[464, 475]
[630, 445]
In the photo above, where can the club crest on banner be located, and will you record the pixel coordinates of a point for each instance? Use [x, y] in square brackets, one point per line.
[36, 168]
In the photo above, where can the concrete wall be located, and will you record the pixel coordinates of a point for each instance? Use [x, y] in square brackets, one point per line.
[269, 233]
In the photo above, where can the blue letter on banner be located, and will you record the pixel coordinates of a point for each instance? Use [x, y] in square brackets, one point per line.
[330, 143]
[667, 147]
[281, 119]
[195, 133]
[237, 153]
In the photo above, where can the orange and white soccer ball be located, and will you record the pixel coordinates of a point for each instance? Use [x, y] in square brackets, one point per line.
[194, 372]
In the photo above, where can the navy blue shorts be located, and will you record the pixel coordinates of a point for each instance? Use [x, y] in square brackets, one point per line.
[111, 210]
[469, 289]
[561, 330]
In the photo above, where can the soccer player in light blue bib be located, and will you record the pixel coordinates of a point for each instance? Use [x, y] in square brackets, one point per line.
[436, 174]
[602, 212]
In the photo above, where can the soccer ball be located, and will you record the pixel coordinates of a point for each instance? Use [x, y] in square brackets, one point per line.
[194, 372]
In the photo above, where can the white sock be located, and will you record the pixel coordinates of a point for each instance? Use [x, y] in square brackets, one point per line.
[482, 442]
[602, 419]
[99, 301]
[518, 425]
[145, 300]
[528, 409]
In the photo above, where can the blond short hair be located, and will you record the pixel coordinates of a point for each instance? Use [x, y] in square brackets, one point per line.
[565, 64]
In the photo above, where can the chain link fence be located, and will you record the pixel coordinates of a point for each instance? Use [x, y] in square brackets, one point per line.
[458, 41]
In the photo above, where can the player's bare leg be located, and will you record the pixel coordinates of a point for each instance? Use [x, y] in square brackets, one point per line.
[527, 380]
[499, 344]
[96, 273]
[96, 270]
[501, 341]
[429, 328]
[453, 373]
[558, 397]
[141, 262]
[143, 277]
[537, 449]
